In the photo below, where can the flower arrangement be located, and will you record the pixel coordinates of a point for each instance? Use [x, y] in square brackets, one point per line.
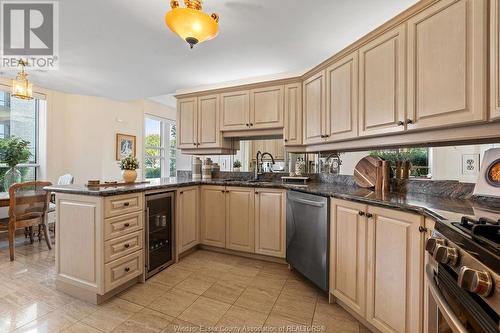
[236, 164]
[129, 163]
[14, 151]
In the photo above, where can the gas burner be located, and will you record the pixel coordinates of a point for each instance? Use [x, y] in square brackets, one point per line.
[483, 230]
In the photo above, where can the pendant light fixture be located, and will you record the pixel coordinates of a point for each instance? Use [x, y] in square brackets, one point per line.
[21, 87]
[191, 23]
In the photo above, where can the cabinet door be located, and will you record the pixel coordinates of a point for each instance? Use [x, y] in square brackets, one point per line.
[395, 271]
[187, 123]
[293, 114]
[446, 64]
[342, 99]
[188, 226]
[279, 150]
[270, 222]
[235, 111]
[266, 107]
[382, 84]
[314, 108]
[240, 234]
[495, 59]
[213, 216]
[208, 122]
[347, 254]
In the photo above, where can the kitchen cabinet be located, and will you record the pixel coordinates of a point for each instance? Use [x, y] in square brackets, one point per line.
[240, 232]
[314, 108]
[235, 110]
[208, 122]
[187, 124]
[266, 107]
[188, 224]
[275, 147]
[342, 99]
[213, 216]
[348, 253]
[495, 59]
[395, 255]
[270, 222]
[382, 81]
[292, 134]
[446, 64]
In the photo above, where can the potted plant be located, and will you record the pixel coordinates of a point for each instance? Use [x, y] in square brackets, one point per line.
[129, 165]
[236, 166]
[13, 151]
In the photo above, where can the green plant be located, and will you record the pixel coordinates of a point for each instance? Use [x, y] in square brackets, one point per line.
[129, 163]
[418, 158]
[14, 151]
[236, 164]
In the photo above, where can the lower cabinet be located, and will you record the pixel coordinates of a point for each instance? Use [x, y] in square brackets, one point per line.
[188, 225]
[240, 221]
[377, 265]
[213, 216]
[270, 222]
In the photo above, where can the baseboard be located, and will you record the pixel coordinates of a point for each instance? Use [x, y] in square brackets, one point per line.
[242, 254]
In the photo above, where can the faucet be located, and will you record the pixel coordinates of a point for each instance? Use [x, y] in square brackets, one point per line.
[333, 155]
[258, 163]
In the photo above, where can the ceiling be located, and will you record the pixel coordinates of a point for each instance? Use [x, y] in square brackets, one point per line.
[122, 49]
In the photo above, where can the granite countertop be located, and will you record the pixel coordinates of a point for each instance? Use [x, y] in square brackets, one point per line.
[437, 207]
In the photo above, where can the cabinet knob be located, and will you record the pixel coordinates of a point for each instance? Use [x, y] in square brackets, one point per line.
[126, 246]
[223, 191]
[401, 123]
[409, 121]
[361, 213]
[126, 225]
[478, 282]
[194, 143]
[286, 140]
[126, 204]
[446, 255]
[369, 215]
[251, 124]
[247, 125]
[256, 192]
[127, 269]
[322, 136]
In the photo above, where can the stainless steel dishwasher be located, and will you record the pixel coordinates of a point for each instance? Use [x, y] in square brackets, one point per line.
[307, 236]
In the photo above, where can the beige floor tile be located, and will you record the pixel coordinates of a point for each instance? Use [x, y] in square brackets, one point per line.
[241, 317]
[79, 309]
[296, 308]
[196, 284]
[81, 328]
[278, 323]
[267, 283]
[21, 315]
[300, 288]
[237, 278]
[225, 291]
[258, 299]
[173, 302]
[111, 314]
[171, 276]
[335, 319]
[178, 325]
[204, 311]
[49, 323]
[144, 321]
[144, 293]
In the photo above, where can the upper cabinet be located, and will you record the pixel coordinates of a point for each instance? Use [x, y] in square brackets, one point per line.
[208, 122]
[495, 59]
[292, 134]
[447, 64]
[187, 125]
[235, 110]
[314, 108]
[266, 107]
[382, 83]
[342, 99]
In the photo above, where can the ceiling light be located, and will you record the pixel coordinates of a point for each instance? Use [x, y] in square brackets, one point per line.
[191, 23]
[21, 87]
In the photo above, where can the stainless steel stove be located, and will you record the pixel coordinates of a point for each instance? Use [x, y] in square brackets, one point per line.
[463, 274]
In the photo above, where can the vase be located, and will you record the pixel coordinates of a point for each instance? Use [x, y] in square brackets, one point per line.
[236, 170]
[12, 176]
[129, 176]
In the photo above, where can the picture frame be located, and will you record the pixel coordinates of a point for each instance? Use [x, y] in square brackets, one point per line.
[125, 145]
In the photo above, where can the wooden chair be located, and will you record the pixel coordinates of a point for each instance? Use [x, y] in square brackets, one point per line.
[28, 207]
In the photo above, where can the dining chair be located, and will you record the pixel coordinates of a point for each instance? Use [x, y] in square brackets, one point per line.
[28, 207]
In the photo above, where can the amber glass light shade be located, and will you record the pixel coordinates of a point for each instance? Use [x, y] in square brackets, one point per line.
[192, 25]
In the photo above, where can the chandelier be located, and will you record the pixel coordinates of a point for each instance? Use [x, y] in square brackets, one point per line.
[21, 87]
[191, 23]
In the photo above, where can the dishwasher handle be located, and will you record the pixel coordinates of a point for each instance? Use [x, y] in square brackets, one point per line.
[307, 202]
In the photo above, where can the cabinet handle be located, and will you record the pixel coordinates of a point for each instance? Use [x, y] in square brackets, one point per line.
[126, 246]
[126, 225]
[194, 144]
[256, 192]
[247, 125]
[126, 204]
[361, 213]
[181, 192]
[251, 124]
[401, 123]
[369, 215]
[286, 140]
[322, 136]
[422, 229]
[409, 121]
[127, 269]
[223, 191]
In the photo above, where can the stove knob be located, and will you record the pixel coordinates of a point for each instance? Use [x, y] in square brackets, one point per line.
[446, 255]
[477, 282]
[432, 243]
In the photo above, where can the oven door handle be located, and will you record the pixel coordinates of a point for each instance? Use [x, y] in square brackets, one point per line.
[448, 314]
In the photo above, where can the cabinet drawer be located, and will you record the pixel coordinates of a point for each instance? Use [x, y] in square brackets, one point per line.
[122, 270]
[121, 246]
[122, 225]
[122, 204]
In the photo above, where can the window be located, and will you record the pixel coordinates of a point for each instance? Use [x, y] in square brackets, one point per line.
[419, 159]
[20, 118]
[159, 147]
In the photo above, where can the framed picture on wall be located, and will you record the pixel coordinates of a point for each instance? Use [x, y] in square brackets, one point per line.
[125, 145]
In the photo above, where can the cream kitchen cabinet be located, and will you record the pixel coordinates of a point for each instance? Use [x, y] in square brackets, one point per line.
[187, 123]
[341, 112]
[235, 110]
[348, 253]
[382, 82]
[274, 147]
[495, 59]
[213, 216]
[187, 219]
[266, 107]
[314, 89]
[395, 255]
[292, 134]
[447, 64]
[240, 224]
[270, 222]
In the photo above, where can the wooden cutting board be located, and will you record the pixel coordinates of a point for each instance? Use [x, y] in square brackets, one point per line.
[365, 172]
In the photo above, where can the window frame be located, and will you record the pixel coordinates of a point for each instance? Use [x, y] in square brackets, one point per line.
[165, 149]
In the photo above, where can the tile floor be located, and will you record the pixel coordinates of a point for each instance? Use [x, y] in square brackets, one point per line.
[203, 290]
